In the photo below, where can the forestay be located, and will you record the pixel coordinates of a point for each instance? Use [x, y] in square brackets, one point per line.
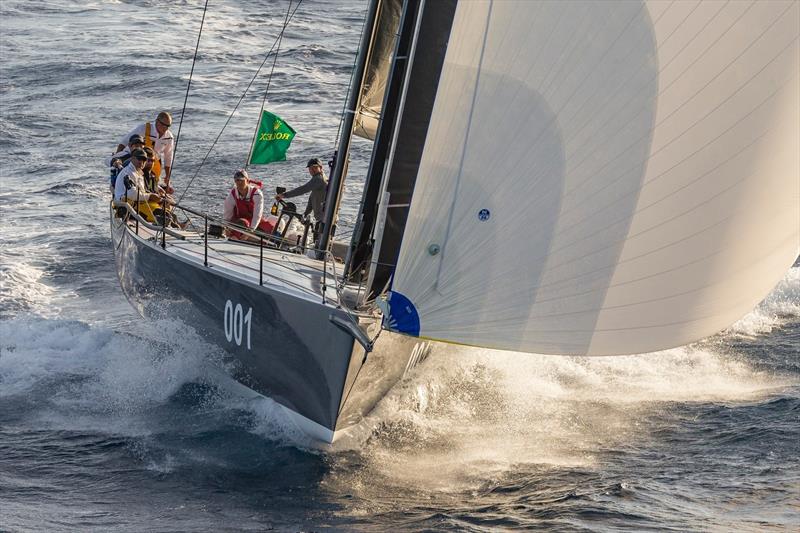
[604, 178]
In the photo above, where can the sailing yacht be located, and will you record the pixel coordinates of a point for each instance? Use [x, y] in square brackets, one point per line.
[588, 178]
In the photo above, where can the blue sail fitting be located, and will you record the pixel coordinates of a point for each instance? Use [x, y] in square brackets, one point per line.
[400, 315]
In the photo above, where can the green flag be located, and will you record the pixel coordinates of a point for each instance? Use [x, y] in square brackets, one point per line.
[272, 140]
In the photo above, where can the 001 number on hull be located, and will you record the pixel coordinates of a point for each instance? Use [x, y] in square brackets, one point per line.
[234, 322]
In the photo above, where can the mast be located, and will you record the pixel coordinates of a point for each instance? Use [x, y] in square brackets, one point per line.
[362, 241]
[336, 182]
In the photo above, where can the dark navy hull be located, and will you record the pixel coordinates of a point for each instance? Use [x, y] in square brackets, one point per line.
[286, 346]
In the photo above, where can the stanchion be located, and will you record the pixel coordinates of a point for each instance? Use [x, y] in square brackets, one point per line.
[261, 260]
[164, 223]
[137, 210]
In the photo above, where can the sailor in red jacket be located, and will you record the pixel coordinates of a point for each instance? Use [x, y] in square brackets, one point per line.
[245, 206]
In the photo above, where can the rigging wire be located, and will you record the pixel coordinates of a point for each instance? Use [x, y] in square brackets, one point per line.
[236, 107]
[186, 96]
[269, 81]
[188, 85]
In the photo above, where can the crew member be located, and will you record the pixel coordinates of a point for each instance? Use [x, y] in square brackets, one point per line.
[245, 206]
[131, 188]
[119, 159]
[317, 186]
[157, 136]
[134, 141]
[150, 178]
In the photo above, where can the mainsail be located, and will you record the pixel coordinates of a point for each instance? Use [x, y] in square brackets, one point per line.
[376, 73]
[603, 177]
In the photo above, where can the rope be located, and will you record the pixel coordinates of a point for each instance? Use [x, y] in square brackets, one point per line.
[236, 107]
[269, 81]
[188, 86]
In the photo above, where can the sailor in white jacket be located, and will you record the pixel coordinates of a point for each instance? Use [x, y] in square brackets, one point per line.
[157, 136]
[130, 181]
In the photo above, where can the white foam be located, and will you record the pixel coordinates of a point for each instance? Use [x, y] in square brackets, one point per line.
[117, 381]
[781, 305]
[24, 267]
[21, 284]
[33, 349]
[95, 377]
[471, 415]
[463, 409]
[269, 419]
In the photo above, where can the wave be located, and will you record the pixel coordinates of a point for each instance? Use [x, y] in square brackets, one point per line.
[47, 8]
[466, 412]
[137, 379]
[25, 271]
[22, 288]
[465, 420]
[73, 188]
[28, 261]
[460, 391]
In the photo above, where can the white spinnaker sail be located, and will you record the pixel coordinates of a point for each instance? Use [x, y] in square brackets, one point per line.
[605, 177]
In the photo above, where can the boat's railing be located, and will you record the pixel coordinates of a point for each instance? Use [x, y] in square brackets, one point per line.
[132, 213]
[327, 272]
[328, 275]
[276, 240]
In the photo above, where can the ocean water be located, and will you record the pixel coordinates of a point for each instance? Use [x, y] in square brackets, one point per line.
[109, 422]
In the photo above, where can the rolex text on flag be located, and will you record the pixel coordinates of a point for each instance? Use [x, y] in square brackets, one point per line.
[272, 140]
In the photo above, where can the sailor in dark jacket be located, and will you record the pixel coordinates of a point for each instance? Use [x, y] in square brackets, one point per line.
[317, 186]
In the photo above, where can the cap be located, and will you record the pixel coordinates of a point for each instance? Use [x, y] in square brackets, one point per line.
[241, 173]
[139, 154]
[313, 161]
[136, 138]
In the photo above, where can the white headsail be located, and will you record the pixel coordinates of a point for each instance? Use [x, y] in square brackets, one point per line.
[604, 177]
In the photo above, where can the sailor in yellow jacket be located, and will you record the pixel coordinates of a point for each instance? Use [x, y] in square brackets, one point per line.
[157, 136]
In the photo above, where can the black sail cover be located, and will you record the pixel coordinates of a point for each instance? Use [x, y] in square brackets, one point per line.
[376, 74]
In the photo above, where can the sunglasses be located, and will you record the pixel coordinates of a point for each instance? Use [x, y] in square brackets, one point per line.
[165, 124]
[141, 158]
